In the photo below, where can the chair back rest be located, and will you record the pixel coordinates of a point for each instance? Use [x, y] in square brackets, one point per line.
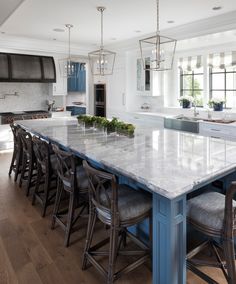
[102, 193]
[42, 154]
[15, 130]
[66, 168]
[27, 143]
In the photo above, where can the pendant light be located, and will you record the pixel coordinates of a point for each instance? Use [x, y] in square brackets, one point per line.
[160, 49]
[102, 60]
[67, 65]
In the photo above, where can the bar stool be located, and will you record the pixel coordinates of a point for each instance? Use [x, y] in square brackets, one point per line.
[17, 152]
[72, 180]
[45, 189]
[119, 207]
[214, 215]
[29, 166]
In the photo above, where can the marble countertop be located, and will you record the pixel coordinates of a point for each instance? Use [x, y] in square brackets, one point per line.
[200, 118]
[170, 163]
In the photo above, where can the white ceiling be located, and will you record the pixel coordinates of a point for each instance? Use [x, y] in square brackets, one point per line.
[7, 8]
[122, 18]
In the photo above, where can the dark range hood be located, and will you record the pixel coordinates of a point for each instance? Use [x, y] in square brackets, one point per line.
[27, 68]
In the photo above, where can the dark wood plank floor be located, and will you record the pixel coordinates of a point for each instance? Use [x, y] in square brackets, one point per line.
[30, 252]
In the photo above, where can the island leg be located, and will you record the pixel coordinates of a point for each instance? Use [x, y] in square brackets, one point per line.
[169, 240]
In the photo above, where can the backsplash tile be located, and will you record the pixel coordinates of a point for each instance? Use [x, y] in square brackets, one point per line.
[32, 96]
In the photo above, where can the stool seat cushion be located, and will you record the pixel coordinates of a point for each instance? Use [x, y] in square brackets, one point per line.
[131, 203]
[208, 209]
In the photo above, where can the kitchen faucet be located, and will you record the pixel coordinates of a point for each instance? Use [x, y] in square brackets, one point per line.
[195, 112]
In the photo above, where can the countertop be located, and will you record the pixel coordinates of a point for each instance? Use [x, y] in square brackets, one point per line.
[200, 118]
[170, 163]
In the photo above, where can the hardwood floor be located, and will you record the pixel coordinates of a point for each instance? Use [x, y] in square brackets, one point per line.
[30, 252]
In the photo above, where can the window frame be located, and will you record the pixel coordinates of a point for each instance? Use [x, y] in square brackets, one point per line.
[225, 90]
[192, 90]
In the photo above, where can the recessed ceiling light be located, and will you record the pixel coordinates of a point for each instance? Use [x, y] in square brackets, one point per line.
[137, 31]
[2, 32]
[54, 39]
[113, 38]
[58, 30]
[216, 8]
[170, 22]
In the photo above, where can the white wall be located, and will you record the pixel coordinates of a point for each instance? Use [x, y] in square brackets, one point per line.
[172, 88]
[168, 82]
[122, 94]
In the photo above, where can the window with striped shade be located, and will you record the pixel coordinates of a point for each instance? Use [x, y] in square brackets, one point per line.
[222, 60]
[190, 63]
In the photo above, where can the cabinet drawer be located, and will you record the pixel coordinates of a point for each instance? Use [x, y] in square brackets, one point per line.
[213, 130]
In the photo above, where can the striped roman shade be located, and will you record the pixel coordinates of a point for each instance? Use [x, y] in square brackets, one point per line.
[190, 63]
[222, 60]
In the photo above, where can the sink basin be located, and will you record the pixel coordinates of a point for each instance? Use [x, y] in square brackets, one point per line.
[188, 118]
[183, 123]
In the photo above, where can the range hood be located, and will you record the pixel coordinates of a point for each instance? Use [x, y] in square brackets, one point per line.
[26, 68]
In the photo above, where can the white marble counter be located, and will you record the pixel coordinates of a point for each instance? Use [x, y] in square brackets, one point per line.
[168, 162]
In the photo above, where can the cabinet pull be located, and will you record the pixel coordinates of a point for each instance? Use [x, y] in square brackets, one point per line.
[215, 129]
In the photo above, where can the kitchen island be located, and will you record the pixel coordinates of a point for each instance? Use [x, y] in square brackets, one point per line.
[169, 164]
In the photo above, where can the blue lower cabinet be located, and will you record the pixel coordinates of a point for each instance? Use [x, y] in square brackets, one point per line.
[76, 110]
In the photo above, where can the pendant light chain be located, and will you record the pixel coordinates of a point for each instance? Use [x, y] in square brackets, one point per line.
[157, 11]
[69, 27]
[101, 27]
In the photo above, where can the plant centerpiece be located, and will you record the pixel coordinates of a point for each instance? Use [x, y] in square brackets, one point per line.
[217, 104]
[186, 101]
[88, 120]
[113, 125]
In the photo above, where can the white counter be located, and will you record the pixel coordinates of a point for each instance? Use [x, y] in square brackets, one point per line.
[61, 114]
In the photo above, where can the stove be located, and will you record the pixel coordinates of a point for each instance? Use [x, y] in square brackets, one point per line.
[10, 117]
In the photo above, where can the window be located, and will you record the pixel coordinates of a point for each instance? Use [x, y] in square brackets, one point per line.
[223, 85]
[191, 84]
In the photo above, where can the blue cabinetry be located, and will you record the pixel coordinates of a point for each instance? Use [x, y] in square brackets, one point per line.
[77, 83]
[76, 110]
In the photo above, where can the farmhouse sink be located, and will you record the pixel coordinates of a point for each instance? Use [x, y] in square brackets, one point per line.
[190, 124]
[188, 118]
[183, 123]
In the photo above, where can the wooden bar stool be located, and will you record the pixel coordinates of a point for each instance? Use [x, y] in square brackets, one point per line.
[29, 166]
[214, 215]
[45, 188]
[73, 181]
[119, 207]
[17, 152]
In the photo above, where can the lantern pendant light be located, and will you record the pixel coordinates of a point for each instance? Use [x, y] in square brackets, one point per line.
[102, 60]
[67, 66]
[160, 49]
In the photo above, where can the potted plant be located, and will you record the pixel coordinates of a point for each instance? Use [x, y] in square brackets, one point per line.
[88, 120]
[217, 104]
[186, 101]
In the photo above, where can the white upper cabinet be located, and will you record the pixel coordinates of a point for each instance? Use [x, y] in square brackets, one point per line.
[60, 87]
[144, 78]
[148, 82]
